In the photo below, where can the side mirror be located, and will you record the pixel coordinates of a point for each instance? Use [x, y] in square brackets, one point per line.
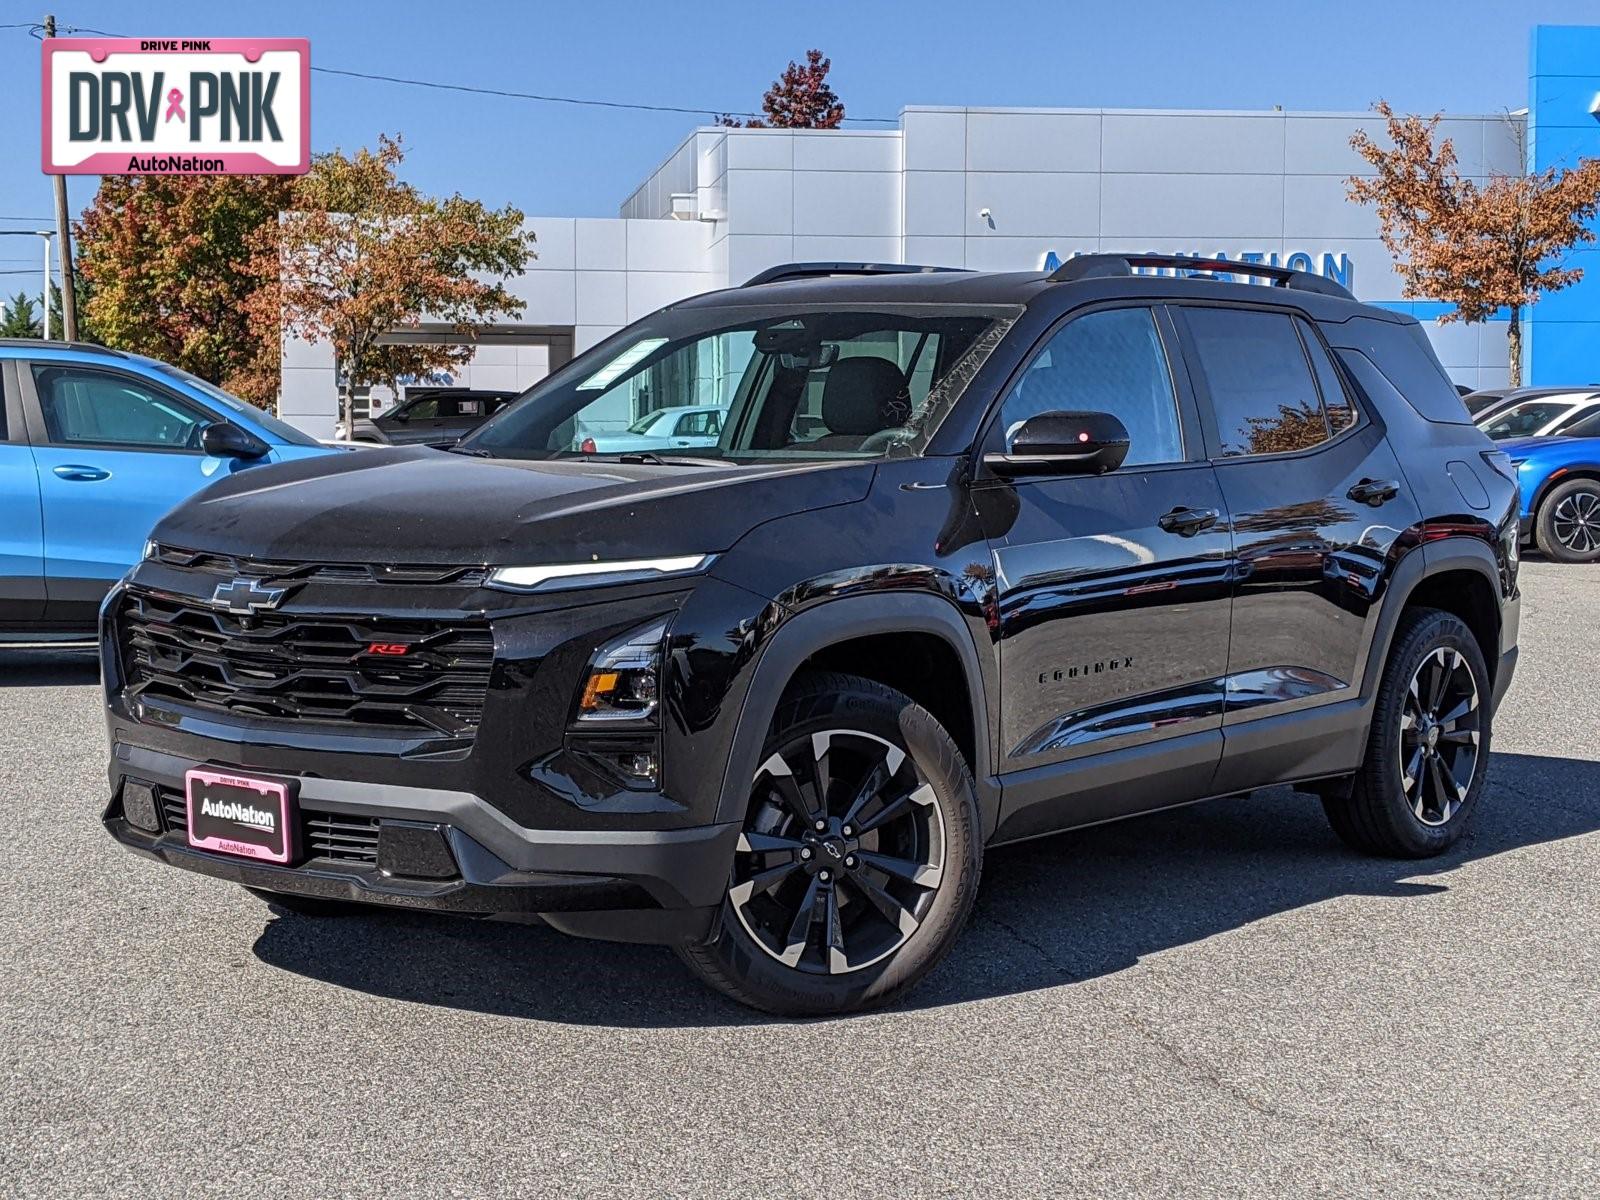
[400, 415]
[222, 439]
[1063, 443]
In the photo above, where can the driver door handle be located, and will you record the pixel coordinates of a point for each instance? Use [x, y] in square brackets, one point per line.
[78, 473]
[1186, 522]
[1374, 491]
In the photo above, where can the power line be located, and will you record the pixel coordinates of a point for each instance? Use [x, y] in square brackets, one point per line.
[469, 89]
[483, 91]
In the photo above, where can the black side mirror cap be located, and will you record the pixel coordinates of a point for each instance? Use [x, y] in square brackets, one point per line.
[1063, 443]
[222, 439]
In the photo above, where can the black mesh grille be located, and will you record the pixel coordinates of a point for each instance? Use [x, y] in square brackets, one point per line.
[230, 566]
[318, 669]
[325, 835]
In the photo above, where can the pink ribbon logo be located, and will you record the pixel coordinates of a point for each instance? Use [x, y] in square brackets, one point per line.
[175, 106]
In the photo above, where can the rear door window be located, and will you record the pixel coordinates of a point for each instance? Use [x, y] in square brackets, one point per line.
[1259, 379]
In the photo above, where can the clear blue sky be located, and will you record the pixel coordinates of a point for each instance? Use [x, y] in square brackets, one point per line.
[550, 159]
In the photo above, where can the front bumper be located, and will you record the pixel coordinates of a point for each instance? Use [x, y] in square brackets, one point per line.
[628, 885]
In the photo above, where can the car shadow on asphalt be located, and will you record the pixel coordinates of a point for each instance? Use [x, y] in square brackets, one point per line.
[49, 666]
[1053, 912]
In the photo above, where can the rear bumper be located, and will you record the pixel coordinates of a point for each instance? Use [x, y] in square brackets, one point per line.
[629, 885]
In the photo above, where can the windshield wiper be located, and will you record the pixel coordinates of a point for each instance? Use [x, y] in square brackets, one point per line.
[472, 450]
[652, 459]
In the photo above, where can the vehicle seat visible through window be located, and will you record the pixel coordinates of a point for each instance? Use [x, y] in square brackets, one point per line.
[860, 397]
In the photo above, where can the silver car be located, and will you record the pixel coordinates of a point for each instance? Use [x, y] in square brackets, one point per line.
[681, 427]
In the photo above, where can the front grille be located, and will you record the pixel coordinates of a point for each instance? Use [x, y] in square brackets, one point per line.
[338, 836]
[316, 669]
[232, 566]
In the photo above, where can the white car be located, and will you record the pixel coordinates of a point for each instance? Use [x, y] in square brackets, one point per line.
[682, 427]
[1539, 416]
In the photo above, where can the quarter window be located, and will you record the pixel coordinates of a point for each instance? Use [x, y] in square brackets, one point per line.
[1260, 381]
[103, 408]
[1335, 400]
[1110, 361]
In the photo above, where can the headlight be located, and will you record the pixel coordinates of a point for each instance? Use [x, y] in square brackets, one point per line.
[624, 681]
[149, 549]
[592, 574]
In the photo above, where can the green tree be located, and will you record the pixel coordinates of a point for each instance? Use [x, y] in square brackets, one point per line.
[22, 317]
[361, 254]
[165, 260]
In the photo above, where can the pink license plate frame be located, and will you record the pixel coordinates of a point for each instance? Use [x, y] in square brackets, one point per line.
[259, 813]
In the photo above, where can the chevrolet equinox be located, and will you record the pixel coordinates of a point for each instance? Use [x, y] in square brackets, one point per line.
[974, 558]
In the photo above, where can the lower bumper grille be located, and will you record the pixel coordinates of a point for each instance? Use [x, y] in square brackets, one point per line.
[338, 836]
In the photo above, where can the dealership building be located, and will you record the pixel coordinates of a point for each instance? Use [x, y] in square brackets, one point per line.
[1012, 189]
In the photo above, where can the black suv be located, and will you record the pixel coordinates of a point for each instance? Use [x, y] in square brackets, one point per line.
[432, 417]
[979, 557]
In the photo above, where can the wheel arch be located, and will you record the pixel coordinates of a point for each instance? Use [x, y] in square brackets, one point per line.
[1554, 480]
[1457, 575]
[856, 635]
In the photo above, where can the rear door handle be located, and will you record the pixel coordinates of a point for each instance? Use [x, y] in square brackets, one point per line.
[1374, 491]
[1186, 522]
[79, 473]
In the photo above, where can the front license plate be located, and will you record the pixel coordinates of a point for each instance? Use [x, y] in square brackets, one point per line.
[234, 814]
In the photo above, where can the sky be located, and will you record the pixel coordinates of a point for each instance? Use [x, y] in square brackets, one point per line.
[1464, 56]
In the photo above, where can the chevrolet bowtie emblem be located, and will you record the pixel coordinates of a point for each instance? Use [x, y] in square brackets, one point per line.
[245, 596]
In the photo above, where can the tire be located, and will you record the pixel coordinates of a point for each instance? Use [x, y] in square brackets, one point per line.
[1567, 528]
[870, 741]
[1380, 813]
[309, 906]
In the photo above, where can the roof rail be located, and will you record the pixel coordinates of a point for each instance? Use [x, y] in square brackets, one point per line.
[1102, 266]
[812, 270]
[17, 343]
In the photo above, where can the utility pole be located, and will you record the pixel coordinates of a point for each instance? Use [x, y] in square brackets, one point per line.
[69, 284]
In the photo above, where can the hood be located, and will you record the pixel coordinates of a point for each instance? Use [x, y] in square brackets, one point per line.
[416, 505]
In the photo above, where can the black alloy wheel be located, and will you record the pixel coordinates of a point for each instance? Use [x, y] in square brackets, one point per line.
[1439, 736]
[1427, 751]
[841, 854]
[859, 856]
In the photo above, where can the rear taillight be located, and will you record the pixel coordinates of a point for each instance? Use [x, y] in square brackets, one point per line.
[587, 446]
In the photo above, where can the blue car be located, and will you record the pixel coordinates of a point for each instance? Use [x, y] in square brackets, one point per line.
[1560, 478]
[95, 446]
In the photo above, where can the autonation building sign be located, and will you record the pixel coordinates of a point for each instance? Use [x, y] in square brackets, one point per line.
[1332, 266]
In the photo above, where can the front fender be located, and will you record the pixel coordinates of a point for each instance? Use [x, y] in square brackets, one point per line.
[796, 637]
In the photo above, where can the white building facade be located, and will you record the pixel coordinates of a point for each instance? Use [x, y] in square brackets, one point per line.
[985, 189]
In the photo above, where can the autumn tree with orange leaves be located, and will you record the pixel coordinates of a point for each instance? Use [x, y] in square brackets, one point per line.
[165, 261]
[801, 98]
[361, 254]
[1481, 247]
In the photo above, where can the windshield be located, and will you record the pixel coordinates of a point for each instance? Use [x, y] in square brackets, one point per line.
[1525, 419]
[770, 383]
[285, 433]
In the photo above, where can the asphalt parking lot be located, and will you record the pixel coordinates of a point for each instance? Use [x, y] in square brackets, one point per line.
[1216, 1001]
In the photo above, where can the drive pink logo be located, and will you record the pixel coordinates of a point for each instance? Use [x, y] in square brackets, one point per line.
[208, 106]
